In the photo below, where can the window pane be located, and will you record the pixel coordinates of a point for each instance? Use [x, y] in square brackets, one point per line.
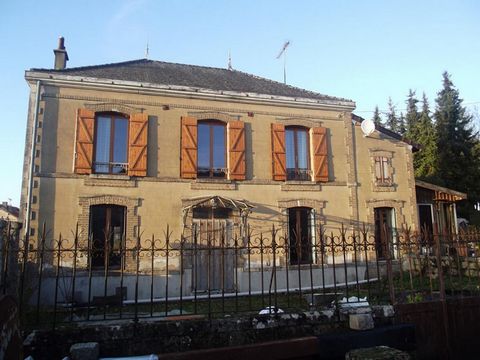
[102, 144]
[120, 143]
[302, 149]
[290, 148]
[385, 168]
[218, 146]
[203, 135]
[378, 170]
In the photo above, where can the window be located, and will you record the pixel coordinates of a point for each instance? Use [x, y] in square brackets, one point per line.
[211, 149]
[382, 170]
[107, 229]
[297, 157]
[111, 144]
[299, 153]
[301, 229]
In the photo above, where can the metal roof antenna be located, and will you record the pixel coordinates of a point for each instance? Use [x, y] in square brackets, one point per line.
[146, 51]
[230, 61]
[284, 53]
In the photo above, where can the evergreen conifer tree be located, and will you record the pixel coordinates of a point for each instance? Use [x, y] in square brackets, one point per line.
[423, 133]
[376, 117]
[458, 167]
[392, 121]
[401, 124]
[412, 116]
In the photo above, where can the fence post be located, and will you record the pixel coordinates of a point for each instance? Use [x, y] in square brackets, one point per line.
[388, 254]
[438, 244]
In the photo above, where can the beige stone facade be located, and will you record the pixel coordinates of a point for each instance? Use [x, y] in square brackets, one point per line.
[61, 198]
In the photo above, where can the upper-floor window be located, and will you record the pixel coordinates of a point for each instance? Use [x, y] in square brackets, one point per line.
[296, 150]
[212, 149]
[111, 144]
[382, 171]
[211, 153]
[299, 153]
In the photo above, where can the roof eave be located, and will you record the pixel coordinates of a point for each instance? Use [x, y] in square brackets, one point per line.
[31, 75]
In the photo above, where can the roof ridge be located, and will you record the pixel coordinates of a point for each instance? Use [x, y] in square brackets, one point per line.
[128, 62]
[88, 67]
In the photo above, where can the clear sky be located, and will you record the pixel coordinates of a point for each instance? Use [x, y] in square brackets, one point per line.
[361, 50]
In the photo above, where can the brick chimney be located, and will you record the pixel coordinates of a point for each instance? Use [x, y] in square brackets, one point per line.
[61, 56]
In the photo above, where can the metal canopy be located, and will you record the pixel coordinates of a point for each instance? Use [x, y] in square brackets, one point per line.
[215, 201]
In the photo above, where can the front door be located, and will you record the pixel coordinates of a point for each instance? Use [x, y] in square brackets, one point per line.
[300, 235]
[107, 228]
[383, 231]
[214, 259]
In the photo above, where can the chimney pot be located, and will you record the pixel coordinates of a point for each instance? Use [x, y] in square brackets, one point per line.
[61, 56]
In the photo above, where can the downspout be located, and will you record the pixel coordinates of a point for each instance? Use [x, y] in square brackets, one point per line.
[32, 161]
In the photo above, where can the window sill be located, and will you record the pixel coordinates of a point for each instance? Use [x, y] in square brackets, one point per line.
[110, 176]
[213, 180]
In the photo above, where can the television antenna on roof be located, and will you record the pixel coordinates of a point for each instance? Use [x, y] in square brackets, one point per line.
[284, 53]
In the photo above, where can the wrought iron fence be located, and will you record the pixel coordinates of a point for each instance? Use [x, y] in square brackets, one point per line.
[224, 270]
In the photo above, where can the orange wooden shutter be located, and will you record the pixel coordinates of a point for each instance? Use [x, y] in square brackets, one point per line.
[188, 166]
[137, 145]
[279, 171]
[84, 141]
[320, 154]
[236, 150]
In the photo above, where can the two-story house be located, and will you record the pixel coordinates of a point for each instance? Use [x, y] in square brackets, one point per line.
[126, 149]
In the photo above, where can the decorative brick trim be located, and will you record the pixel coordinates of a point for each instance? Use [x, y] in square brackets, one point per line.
[377, 187]
[398, 205]
[217, 115]
[195, 185]
[414, 221]
[300, 187]
[183, 106]
[351, 173]
[132, 218]
[93, 181]
[114, 107]
[299, 122]
[317, 205]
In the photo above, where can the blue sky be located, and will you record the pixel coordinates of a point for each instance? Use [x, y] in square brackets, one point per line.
[362, 50]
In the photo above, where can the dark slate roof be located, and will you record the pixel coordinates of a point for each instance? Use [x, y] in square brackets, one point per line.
[392, 134]
[164, 73]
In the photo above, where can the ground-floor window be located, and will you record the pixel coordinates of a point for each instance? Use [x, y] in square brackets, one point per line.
[107, 232]
[301, 230]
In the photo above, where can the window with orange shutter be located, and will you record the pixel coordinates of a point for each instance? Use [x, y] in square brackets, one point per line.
[111, 143]
[212, 149]
[299, 153]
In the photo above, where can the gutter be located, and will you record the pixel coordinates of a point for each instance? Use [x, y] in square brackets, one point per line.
[32, 160]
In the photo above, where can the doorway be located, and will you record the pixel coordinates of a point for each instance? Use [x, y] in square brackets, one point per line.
[301, 232]
[214, 254]
[384, 235]
[107, 230]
